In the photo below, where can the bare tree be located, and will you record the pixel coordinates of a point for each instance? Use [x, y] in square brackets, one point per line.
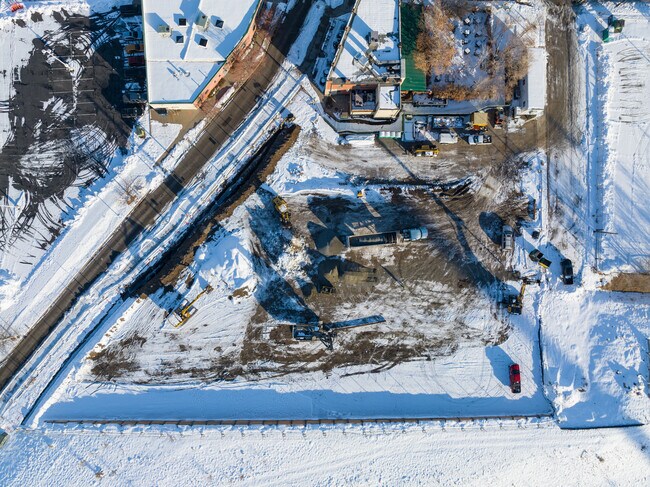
[435, 45]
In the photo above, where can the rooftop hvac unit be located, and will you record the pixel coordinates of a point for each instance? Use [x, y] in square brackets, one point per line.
[202, 21]
[164, 30]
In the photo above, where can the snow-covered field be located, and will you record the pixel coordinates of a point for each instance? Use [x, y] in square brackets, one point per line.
[619, 76]
[468, 454]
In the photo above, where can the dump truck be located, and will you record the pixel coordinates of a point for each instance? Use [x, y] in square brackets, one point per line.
[386, 238]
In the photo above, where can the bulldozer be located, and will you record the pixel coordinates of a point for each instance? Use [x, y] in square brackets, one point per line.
[187, 309]
[515, 302]
[283, 210]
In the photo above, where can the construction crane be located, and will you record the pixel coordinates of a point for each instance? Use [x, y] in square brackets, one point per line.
[326, 332]
[515, 302]
[283, 210]
[188, 310]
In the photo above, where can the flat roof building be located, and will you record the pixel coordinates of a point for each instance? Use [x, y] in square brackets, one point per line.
[369, 58]
[187, 43]
[533, 87]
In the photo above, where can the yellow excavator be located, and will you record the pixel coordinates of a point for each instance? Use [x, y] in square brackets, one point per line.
[283, 210]
[516, 302]
[187, 310]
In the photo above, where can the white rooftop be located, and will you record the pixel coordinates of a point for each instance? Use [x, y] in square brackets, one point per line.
[535, 87]
[381, 16]
[178, 66]
[389, 98]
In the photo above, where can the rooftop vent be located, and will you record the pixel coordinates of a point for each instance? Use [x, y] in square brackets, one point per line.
[164, 30]
[179, 39]
[218, 23]
[182, 21]
[203, 42]
[202, 21]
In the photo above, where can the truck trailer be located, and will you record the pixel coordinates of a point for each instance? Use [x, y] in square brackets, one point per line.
[387, 238]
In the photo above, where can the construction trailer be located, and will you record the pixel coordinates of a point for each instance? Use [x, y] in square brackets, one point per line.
[478, 120]
[386, 238]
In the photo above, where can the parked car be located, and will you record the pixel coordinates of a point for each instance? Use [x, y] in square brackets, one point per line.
[507, 237]
[567, 271]
[515, 379]
[479, 139]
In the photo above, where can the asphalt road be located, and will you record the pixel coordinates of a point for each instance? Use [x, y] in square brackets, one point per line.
[145, 214]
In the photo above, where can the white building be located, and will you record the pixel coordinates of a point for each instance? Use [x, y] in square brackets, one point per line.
[532, 88]
[187, 43]
[369, 57]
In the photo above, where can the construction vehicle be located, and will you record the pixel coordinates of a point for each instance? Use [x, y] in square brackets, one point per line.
[426, 151]
[326, 332]
[187, 309]
[408, 235]
[537, 256]
[283, 210]
[515, 302]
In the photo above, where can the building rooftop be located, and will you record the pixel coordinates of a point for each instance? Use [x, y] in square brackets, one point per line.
[370, 50]
[388, 98]
[187, 42]
[535, 87]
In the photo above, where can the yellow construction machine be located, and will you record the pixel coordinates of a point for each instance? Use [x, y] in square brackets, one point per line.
[516, 301]
[187, 309]
[283, 210]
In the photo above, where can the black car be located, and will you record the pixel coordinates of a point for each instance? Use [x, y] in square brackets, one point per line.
[567, 271]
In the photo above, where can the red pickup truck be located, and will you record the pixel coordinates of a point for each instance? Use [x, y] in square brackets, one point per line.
[515, 379]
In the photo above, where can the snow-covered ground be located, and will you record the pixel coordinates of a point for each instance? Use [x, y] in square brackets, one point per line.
[581, 348]
[618, 77]
[150, 245]
[32, 275]
[171, 372]
[469, 454]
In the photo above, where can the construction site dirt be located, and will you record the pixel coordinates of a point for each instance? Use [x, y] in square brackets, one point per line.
[428, 291]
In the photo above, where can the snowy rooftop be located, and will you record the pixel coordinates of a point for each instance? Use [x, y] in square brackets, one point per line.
[187, 41]
[364, 56]
[389, 98]
[536, 80]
